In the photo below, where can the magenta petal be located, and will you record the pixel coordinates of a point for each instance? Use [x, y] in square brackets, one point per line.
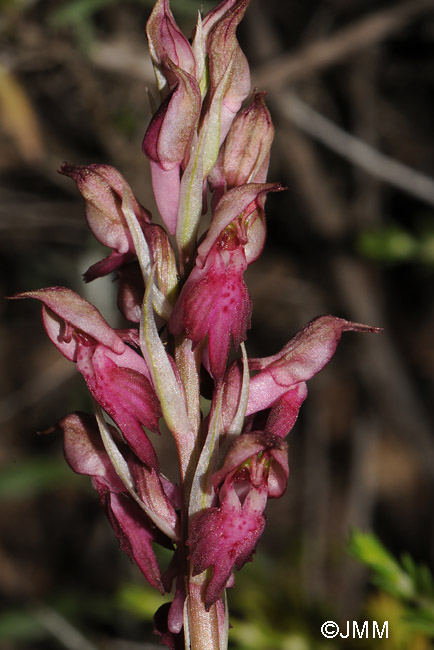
[77, 314]
[166, 41]
[172, 491]
[228, 65]
[134, 533]
[126, 395]
[85, 453]
[107, 265]
[246, 150]
[175, 619]
[231, 315]
[161, 628]
[247, 446]
[225, 537]
[84, 450]
[171, 129]
[237, 202]
[167, 141]
[309, 350]
[299, 360]
[216, 302]
[103, 189]
[284, 411]
[167, 187]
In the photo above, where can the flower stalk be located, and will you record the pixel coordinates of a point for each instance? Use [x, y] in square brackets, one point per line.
[187, 306]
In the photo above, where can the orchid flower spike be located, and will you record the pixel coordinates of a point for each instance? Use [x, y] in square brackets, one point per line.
[181, 288]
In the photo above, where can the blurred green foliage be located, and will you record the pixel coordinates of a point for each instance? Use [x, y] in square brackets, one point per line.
[394, 244]
[31, 477]
[20, 626]
[140, 601]
[266, 614]
[410, 586]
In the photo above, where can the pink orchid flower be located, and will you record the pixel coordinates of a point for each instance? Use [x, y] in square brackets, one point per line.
[135, 531]
[215, 302]
[117, 376]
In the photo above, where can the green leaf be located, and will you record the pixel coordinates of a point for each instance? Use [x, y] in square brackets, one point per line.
[411, 585]
[387, 574]
[422, 622]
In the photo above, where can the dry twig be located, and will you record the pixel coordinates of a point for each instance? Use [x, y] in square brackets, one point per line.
[365, 33]
[355, 151]
[63, 631]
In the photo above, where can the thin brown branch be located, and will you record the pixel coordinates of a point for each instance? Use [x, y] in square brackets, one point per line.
[355, 151]
[365, 33]
[323, 205]
[62, 630]
[381, 366]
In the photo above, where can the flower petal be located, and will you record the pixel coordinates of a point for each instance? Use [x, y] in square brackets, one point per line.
[84, 450]
[167, 142]
[125, 394]
[238, 202]
[167, 42]
[284, 411]
[224, 537]
[68, 312]
[299, 360]
[215, 301]
[134, 532]
[228, 68]
[103, 189]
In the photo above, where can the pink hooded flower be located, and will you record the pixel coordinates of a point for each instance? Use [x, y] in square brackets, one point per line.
[168, 43]
[278, 384]
[245, 154]
[117, 376]
[167, 142]
[228, 67]
[103, 188]
[215, 301]
[285, 373]
[225, 537]
[86, 455]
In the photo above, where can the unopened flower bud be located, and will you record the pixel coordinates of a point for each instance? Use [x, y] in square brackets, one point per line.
[245, 155]
[167, 142]
[167, 42]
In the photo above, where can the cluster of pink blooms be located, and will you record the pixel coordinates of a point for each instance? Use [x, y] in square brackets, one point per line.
[186, 303]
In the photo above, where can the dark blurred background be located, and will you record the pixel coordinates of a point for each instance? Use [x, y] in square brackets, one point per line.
[350, 87]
